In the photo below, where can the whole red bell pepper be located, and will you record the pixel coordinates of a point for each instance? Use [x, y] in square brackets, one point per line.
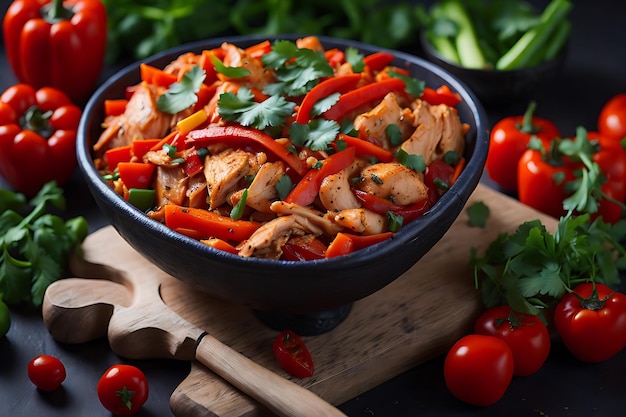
[37, 137]
[57, 43]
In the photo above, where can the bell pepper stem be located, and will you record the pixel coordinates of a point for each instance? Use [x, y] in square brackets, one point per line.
[56, 12]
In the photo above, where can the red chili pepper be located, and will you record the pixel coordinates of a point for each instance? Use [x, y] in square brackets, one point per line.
[38, 140]
[57, 43]
[242, 136]
[363, 95]
[346, 243]
[293, 355]
[340, 84]
[306, 190]
[365, 148]
[382, 206]
[442, 95]
[378, 60]
[302, 248]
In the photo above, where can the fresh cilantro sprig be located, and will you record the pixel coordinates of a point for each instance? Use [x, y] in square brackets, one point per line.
[183, 94]
[532, 268]
[297, 69]
[414, 86]
[316, 135]
[242, 108]
[34, 247]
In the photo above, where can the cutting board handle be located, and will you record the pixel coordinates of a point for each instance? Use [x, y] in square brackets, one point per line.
[278, 394]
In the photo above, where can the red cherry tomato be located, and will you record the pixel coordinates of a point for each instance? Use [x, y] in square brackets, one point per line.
[592, 325]
[46, 372]
[612, 118]
[123, 389]
[527, 337]
[293, 355]
[478, 369]
[509, 140]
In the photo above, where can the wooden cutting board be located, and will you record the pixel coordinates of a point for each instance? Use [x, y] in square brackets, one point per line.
[415, 318]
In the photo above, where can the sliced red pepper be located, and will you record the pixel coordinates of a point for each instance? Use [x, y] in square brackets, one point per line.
[438, 178]
[363, 95]
[301, 248]
[220, 244]
[156, 76]
[258, 50]
[365, 148]
[442, 95]
[341, 84]
[382, 206]
[293, 355]
[114, 156]
[204, 224]
[335, 57]
[306, 190]
[378, 60]
[346, 243]
[193, 164]
[140, 147]
[136, 174]
[242, 136]
[115, 107]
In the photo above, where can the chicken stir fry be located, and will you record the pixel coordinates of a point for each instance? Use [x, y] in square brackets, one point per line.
[284, 150]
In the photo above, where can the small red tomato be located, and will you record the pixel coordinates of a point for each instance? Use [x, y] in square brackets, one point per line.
[293, 355]
[525, 334]
[46, 372]
[612, 118]
[592, 322]
[509, 140]
[123, 389]
[478, 369]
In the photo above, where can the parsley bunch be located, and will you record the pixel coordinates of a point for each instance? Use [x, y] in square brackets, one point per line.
[532, 268]
[34, 247]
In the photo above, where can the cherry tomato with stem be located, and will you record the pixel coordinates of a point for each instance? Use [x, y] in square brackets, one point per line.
[527, 336]
[612, 118]
[478, 369]
[46, 372]
[123, 389]
[591, 321]
[509, 140]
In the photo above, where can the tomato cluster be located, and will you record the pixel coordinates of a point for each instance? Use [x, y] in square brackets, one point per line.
[590, 320]
[546, 172]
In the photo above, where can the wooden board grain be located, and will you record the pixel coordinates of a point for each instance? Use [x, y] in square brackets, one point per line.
[413, 319]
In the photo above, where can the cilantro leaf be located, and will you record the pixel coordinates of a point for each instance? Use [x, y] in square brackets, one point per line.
[230, 72]
[414, 86]
[181, 95]
[317, 134]
[355, 59]
[242, 108]
[412, 161]
[324, 104]
[478, 213]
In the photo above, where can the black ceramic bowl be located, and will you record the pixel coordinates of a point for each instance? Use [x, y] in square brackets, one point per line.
[272, 286]
[494, 87]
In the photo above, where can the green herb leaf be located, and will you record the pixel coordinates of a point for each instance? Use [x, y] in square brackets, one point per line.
[283, 186]
[394, 134]
[317, 134]
[412, 161]
[183, 94]
[478, 214]
[414, 86]
[355, 59]
[230, 72]
[242, 108]
[237, 212]
[394, 221]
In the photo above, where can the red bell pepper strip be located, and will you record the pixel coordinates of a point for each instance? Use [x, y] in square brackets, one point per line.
[37, 145]
[335, 57]
[302, 248]
[140, 147]
[346, 243]
[220, 244]
[366, 94]
[57, 43]
[365, 148]
[242, 136]
[114, 156]
[340, 84]
[378, 60]
[382, 206]
[258, 50]
[115, 107]
[136, 174]
[193, 164]
[306, 190]
[204, 224]
[442, 95]
[156, 76]
[293, 355]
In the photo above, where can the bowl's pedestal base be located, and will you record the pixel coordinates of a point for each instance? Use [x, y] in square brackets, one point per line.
[305, 324]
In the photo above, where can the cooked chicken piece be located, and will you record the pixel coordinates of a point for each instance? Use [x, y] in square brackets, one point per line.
[141, 120]
[183, 63]
[159, 157]
[361, 220]
[314, 217]
[262, 191]
[223, 171]
[335, 193]
[372, 124]
[424, 140]
[197, 191]
[170, 185]
[211, 107]
[310, 42]
[267, 240]
[453, 132]
[393, 181]
[237, 57]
